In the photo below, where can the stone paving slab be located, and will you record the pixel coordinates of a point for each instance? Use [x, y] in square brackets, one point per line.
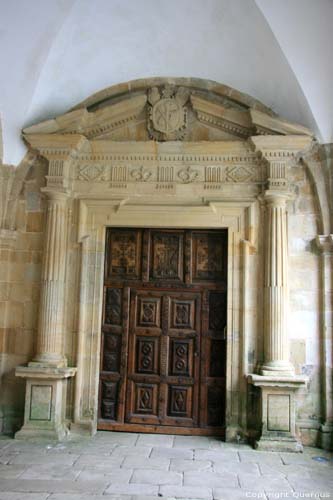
[158, 477]
[195, 442]
[132, 489]
[53, 486]
[7, 457]
[211, 479]
[217, 455]
[171, 453]
[236, 468]
[266, 457]
[137, 451]
[99, 461]
[184, 492]
[61, 496]
[264, 483]
[311, 485]
[155, 440]
[237, 494]
[133, 462]
[43, 458]
[177, 464]
[282, 470]
[111, 475]
[11, 471]
[47, 472]
[124, 438]
[27, 496]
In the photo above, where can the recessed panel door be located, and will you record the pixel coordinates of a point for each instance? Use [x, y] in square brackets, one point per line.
[163, 363]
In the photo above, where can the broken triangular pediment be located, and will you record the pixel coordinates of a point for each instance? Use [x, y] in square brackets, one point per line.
[169, 110]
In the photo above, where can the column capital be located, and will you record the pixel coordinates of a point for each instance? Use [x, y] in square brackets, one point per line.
[60, 150]
[279, 153]
[325, 243]
[277, 197]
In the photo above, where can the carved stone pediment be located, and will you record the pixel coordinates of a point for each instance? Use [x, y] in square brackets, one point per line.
[169, 110]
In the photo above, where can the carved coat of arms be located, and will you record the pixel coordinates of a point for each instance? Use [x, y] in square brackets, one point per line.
[167, 113]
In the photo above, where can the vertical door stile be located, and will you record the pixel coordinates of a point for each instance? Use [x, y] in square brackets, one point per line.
[204, 358]
[145, 255]
[188, 257]
[165, 323]
[124, 355]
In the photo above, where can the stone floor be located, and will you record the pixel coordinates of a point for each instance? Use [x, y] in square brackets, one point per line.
[127, 466]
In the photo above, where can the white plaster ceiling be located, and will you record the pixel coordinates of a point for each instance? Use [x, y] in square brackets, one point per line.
[55, 53]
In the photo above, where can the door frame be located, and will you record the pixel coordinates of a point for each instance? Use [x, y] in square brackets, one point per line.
[240, 217]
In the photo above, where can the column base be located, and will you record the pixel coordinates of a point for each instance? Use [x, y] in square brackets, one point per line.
[278, 369]
[282, 444]
[277, 412]
[45, 398]
[326, 436]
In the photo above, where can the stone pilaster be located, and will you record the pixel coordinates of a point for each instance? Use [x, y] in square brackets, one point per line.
[277, 380]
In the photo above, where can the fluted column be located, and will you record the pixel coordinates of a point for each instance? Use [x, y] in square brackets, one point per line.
[276, 342]
[51, 311]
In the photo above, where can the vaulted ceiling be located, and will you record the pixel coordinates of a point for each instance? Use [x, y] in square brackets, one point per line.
[56, 53]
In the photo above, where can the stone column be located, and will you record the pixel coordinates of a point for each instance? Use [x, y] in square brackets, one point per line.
[46, 375]
[276, 342]
[49, 350]
[277, 381]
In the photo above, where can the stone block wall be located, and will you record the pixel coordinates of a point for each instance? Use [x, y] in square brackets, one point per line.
[20, 270]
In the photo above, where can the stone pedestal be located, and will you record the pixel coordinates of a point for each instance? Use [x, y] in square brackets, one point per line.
[277, 412]
[44, 414]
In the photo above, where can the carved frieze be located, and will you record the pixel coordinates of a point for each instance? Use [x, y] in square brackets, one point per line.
[91, 173]
[188, 175]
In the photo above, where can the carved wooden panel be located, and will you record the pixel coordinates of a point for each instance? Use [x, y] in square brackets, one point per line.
[167, 256]
[217, 358]
[112, 307]
[209, 256]
[181, 354]
[182, 314]
[146, 399]
[123, 254]
[216, 405]
[179, 401]
[111, 355]
[149, 312]
[147, 355]
[109, 399]
[217, 312]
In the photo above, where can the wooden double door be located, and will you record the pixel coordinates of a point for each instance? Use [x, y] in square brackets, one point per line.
[163, 347]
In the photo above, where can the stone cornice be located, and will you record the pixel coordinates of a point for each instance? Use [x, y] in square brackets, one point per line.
[275, 147]
[265, 124]
[92, 124]
[57, 146]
